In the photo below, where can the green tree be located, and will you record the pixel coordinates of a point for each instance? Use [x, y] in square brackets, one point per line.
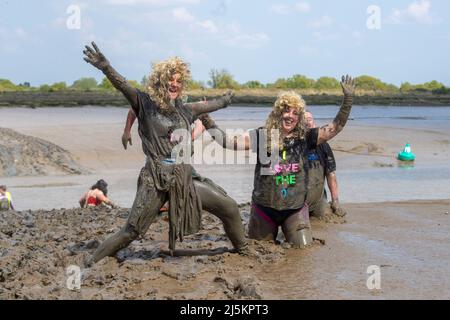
[106, 84]
[280, 83]
[7, 85]
[406, 87]
[253, 84]
[44, 88]
[370, 83]
[300, 82]
[85, 84]
[145, 82]
[195, 85]
[135, 84]
[327, 83]
[222, 80]
[58, 86]
[433, 85]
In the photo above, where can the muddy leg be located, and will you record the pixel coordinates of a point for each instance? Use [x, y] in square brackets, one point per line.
[222, 206]
[318, 208]
[260, 226]
[145, 209]
[297, 229]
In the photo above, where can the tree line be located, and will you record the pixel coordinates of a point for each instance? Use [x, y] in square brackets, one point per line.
[222, 79]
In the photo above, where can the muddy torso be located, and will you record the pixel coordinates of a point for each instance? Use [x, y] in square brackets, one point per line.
[286, 187]
[320, 162]
[156, 129]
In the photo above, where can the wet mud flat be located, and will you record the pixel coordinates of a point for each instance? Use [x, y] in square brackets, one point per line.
[38, 247]
[408, 241]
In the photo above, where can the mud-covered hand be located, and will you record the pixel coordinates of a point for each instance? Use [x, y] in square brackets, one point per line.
[126, 138]
[95, 57]
[348, 85]
[201, 107]
[337, 209]
[228, 97]
[207, 121]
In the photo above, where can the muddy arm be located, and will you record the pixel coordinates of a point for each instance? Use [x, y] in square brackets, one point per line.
[226, 141]
[329, 131]
[213, 105]
[98, 60]
[126, 136]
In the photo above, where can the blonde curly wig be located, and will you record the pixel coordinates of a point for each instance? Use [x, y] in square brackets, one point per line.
[285, 101]
[162, 73]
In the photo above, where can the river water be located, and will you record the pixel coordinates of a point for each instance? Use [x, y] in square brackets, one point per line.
[428, 178]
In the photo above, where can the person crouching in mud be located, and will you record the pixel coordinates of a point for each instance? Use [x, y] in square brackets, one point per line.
[280, 182]
[160, 112]
[96, 196]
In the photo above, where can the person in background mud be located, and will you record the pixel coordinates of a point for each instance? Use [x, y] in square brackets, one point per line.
[5, 199]
[280, 186]
[160, 112]
[322, 165]
[96, 196]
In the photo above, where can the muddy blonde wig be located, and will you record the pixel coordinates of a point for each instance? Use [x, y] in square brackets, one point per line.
[162, 73]
[286, 101]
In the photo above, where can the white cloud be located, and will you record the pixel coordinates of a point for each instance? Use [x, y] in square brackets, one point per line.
[302, 7]
[322, 22]
[208, 26]
[283, 9]
[248, 41]
[280, 9]
[418, 11]
[182, 14]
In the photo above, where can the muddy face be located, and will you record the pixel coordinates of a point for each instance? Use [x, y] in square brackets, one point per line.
[175, 86]
[289, 120]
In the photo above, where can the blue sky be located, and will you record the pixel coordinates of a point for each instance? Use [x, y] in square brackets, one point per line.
[254, 40]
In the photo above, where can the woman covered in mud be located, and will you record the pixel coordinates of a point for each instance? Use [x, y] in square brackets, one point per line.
[282, 171]
[160, 112]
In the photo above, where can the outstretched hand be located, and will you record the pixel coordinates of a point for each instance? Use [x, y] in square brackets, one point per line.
[348, 85]
[95, 57]
[126, 138]
[228, 96]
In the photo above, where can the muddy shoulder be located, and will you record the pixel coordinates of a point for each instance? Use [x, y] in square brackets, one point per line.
[40, 250]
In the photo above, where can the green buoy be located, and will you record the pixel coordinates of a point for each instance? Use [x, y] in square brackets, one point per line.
[406, 154]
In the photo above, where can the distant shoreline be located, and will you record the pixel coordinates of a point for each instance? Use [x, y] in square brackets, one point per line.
[248, 97]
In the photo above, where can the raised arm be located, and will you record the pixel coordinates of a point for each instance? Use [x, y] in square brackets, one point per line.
[98, 60]
[213, 105]
[126, 136]
[330, 130]
[226, 141]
